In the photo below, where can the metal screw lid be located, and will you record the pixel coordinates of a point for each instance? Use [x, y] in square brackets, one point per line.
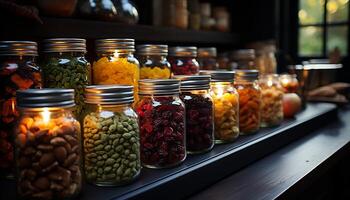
[247, 74]
[39, 98]
[58, 45]
[183, 51]
[18, 48]
[219, 76]
[207, 52]
[197, 82]
[152, 49]
[159, 87]
[244, 54]
[115, 45]
[109, 94]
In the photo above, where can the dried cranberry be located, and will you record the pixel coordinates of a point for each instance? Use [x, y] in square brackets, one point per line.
[184, 66]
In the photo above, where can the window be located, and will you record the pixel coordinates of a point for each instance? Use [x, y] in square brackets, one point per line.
[323, 26]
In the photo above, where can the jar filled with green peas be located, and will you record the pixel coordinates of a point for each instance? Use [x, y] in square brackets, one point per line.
[65, 66]
[111, 135]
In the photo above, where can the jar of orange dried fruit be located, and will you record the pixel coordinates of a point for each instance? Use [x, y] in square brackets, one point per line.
[249, 100]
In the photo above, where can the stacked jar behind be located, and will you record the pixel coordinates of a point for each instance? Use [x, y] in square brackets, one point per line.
[18, 71]
[65, 66]
[199, 113]
[271, 100]
[47, 145]
[115, 63]
[244, 58]
[111, 135]
[183, 60]
[162, 123]
[207, 58]
[249, 100]
[153, 61]
[226, 105]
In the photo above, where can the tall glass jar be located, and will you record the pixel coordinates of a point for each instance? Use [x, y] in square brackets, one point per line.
[199, 113]
[18, 71]
[162, 123]
[115, 63]
[249, 100]
[153, 61]
[183, 60]
[65, 66]
[111, 136]
[271, 100]
[48, 145]
[244, 58]
[207, 58]
[226, 105]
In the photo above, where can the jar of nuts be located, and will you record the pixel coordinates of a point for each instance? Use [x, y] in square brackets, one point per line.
[111, 136]
[47, 141]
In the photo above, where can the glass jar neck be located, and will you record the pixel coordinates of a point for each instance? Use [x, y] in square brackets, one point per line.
[116, 54]
[19, 58]
[66, 54]
[225, 83]
[154, 57]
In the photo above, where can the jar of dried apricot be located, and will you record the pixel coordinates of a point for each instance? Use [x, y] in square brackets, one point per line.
[271, 100]
[225, 99]
[249, 100]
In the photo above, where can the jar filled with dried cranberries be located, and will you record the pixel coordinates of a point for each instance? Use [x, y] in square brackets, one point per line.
[199, 112]
[18, 71]
[207, 58]
[183, 60]
[162, 123]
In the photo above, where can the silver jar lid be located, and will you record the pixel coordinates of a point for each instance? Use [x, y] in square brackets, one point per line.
[219, 76]
[58, 45]
[39, 98]
[18, 48]
[152, 49]
[244, 54]
[109, 94]
[207, 52]
[183, 51]
[247, 74]
[159, 87]
[196, 82]
[115, 45]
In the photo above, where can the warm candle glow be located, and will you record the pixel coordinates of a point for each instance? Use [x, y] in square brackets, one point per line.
[269, 83]
[46, 115]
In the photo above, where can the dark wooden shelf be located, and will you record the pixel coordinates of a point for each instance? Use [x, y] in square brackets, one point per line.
[91, 29]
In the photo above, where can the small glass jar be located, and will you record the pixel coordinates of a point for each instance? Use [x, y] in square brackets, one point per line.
[162, 123]
[199, 113]
[183, 61]
[65, 66]
[266, 60]
[207, 58]
[111, 136]
[249, 100]
[271, 100]
[244, 58]
[226, 105]
[289, 83]
[153, 61]
[115, 63]
[18, 71]
[48, 145]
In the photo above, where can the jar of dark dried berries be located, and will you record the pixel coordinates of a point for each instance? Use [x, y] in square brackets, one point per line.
[183, 60]
[199, 113]
[207, 58]
[162, 123]
[18, 71]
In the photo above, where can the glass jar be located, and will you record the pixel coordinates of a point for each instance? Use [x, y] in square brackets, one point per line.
[199, 113]
[289, 83]
[249, 100]
[65, 66]
[153, 61]
[271, 100]
[183, 61]
[266, 60]
[181, 14]
[162, 123]
[115, 63]
[18, 71]
[48, 145]
[244, 58]
[207, 58]
[226, 105]
[111, 136]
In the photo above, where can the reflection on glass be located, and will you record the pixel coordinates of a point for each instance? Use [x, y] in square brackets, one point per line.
[310, 41]
[311, 11]
[337, 37]
[337, 10]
